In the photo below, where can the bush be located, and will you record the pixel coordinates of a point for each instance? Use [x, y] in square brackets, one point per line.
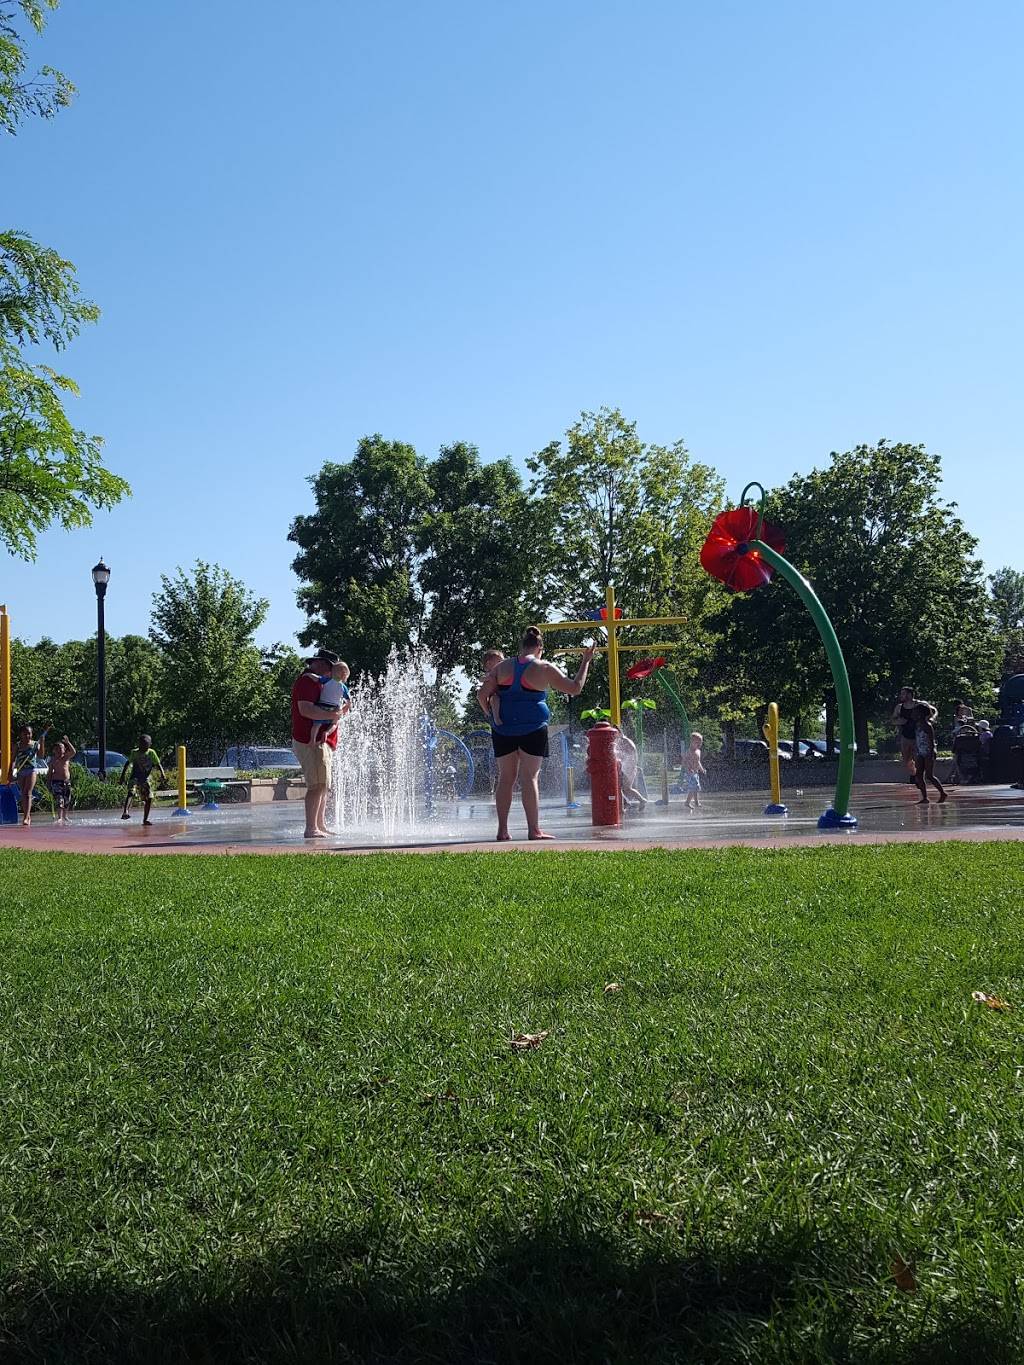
[91, 794]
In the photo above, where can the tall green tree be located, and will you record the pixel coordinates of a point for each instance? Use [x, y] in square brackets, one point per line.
[1006, 587]
[50, 471]
[896, 570]
[403, 551]
[616, 510]
[204, 624]
[478, 546]
[357, 552]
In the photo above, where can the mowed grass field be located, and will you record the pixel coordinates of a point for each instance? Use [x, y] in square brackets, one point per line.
[267, 1109]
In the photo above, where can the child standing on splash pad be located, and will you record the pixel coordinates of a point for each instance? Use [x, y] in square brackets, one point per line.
[490, 659]
[23, 769]
[924, 717]
[334, 696]
[693, 770]
[141, 761]
[59, 778]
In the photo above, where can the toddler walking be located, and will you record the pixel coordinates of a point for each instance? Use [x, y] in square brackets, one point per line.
[693, 771]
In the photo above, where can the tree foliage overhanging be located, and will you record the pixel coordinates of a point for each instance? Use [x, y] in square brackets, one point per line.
[50, 472]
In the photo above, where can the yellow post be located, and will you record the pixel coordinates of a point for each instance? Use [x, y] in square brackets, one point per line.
[614, 701]
[5, 696]
[182, 774]
[771, 734]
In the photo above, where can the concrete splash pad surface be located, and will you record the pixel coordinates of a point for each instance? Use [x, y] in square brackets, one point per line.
[885, 812]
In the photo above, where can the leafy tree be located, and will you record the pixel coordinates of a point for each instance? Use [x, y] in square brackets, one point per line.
[895, 569]
[357, 552]
[216, 687]
[281, 666]
[21, 93]
[405, 551]
[1006, 587]
[477, 545]
[49, 470]
[614, 510]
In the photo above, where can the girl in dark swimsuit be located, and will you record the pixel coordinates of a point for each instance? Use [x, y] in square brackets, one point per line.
[520, 739]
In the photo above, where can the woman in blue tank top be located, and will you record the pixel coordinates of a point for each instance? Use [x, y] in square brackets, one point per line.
[519, 735]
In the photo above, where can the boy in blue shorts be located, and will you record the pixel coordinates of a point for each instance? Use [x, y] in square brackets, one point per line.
[693, 770]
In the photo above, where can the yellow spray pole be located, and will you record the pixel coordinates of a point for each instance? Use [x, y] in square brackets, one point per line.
[182, 774]
[614, 700]
[771, 734]
[614, 647]
[5, 696]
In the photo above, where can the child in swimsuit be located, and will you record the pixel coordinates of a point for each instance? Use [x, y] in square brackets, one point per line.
[141, 761]
[693, 769]
[629, 770]
[59, 778]
[334, 696]
[924, 762]
[23, 769]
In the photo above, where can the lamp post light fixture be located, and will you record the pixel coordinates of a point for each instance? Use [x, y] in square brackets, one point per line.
[100, 578]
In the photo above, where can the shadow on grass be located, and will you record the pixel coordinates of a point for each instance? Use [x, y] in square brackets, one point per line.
[552, 1297]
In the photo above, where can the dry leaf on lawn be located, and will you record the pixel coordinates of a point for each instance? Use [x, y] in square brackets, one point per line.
[992, 1001]
[612, 987]
[903, 1274]
[522, 1041]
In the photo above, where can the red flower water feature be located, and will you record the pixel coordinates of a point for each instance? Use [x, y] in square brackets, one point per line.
[643, 668]
[725, 555]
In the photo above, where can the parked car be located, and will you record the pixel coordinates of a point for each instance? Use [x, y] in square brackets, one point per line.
[755, 750]
[90, 759]
[820, 748]
[807, 749]
[248, 758]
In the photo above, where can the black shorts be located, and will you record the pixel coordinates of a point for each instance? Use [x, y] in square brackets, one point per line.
[535, 743]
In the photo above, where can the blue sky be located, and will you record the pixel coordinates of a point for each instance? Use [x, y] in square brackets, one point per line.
[773, 230]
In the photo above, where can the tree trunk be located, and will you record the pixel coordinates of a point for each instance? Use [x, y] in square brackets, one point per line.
[796, 738]
[729, 735]
[830, 726]
[860, 727]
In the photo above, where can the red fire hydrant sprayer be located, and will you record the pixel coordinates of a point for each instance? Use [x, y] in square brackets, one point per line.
[603, 767]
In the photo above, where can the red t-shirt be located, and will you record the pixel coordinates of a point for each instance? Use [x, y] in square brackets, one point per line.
[307, 688]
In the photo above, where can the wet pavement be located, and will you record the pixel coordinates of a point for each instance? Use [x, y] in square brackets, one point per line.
[885, 812]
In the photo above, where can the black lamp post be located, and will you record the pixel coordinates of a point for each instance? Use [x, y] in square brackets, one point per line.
[101, 577]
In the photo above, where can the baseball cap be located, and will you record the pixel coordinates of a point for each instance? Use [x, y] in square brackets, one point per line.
[327, 655]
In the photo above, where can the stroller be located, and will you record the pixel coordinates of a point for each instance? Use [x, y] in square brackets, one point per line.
[966, 756]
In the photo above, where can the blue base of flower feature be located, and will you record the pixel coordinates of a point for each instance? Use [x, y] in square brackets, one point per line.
[180, 812]
[773, 809]
[830, 820]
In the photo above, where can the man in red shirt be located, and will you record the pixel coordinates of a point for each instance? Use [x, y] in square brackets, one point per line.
[315, 759]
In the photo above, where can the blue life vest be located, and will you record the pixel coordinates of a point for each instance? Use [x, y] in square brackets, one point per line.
[522, 709]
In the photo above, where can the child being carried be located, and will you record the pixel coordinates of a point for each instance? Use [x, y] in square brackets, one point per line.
[334, 696]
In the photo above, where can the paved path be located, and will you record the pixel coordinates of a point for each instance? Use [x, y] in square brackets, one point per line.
[888, 815]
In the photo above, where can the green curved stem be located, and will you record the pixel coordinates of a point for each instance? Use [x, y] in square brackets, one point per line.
[840, 677]
[678, 702]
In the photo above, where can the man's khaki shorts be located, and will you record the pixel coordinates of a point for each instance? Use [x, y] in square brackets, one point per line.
[316, 763]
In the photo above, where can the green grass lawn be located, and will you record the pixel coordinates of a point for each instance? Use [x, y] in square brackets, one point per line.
[266, 1109]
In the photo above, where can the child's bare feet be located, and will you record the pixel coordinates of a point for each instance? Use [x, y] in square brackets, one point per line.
[539, 834]
[505, 838]
[924, 801]
[943, 797]
[125, 815]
